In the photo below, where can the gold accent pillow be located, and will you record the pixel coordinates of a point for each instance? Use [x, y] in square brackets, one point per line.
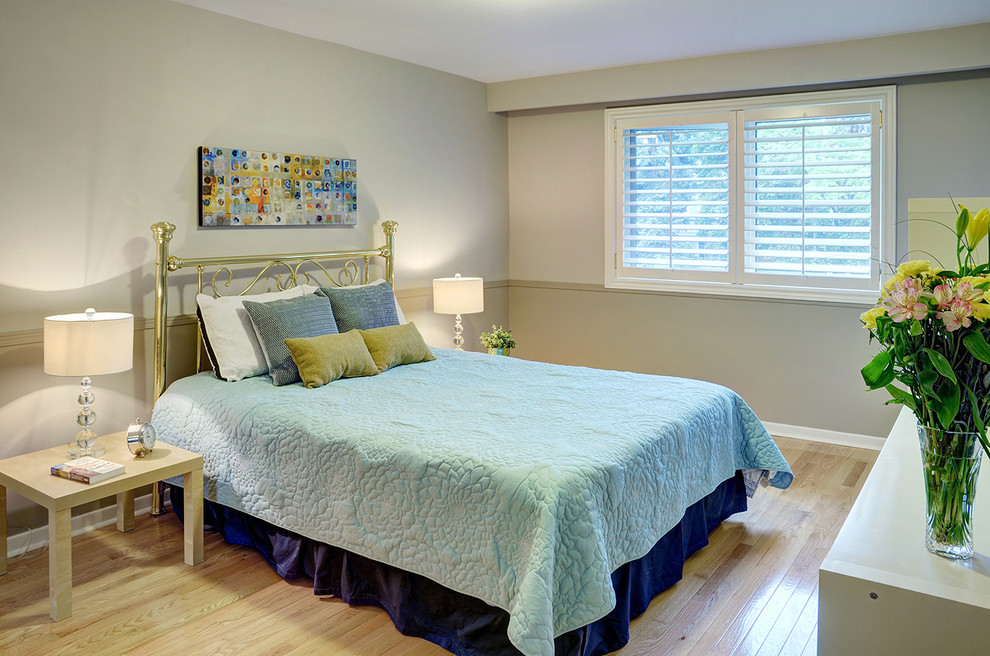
[391, 346]
[326, 358]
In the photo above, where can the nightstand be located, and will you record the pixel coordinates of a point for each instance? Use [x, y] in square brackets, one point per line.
[30, 476]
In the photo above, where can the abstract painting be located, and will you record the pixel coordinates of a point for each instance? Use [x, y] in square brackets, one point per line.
[245, 188]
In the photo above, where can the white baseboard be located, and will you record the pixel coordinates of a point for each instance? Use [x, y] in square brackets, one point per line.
[36, 538]
[826, 436]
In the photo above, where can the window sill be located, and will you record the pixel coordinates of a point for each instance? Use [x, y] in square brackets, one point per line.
[812, 295]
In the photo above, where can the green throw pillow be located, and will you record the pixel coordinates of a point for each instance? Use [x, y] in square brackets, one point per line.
[328, 357]
[391, 346]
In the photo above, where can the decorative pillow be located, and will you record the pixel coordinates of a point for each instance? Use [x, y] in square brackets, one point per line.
[232, 344]
[363, 306]
[276, 321]
[379, 281]
[391, 346]
[326, 358]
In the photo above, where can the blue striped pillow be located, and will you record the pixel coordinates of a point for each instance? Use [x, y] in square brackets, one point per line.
[362, 307]
[276, 321]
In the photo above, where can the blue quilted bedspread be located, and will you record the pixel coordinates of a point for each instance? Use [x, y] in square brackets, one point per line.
[521, 483]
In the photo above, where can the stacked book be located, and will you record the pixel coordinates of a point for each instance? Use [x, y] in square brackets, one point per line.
[87, 470]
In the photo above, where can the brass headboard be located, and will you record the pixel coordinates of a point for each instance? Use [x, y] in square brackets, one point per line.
[287, 265]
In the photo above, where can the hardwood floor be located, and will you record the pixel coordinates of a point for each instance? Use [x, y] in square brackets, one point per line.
[752, 591]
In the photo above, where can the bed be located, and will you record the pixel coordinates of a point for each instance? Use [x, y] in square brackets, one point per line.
[489, 504]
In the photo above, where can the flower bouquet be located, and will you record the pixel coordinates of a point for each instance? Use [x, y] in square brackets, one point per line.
[932, 325]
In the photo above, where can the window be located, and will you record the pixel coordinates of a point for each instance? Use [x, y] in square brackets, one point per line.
[783, 196]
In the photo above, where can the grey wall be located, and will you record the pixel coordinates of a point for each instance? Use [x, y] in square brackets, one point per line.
[103, 105]
[796, 364]
[856, 62]
[943, 144]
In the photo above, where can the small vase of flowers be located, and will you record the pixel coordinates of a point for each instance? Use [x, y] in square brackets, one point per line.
[498, 341]
[933, 326]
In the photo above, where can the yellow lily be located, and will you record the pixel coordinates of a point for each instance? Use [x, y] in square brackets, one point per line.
[976, 230]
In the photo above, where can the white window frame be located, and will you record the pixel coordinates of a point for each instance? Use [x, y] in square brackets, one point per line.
[736, 282]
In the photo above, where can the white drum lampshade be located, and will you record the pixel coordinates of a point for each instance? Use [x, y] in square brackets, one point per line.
[88, 344]
[458, 295]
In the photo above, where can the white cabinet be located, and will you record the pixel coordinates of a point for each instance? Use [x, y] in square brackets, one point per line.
[880, 591]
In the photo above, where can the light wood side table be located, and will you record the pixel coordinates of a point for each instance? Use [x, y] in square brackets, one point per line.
[30, 476]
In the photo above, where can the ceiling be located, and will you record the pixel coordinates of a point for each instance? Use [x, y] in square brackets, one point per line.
[498, 40]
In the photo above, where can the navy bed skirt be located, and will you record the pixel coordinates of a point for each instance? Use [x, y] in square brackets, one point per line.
[459, 623]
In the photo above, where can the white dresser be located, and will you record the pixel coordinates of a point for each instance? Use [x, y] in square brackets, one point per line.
[880, 591]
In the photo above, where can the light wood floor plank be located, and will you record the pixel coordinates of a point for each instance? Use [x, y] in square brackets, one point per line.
[753, 590]
[801, 577]
[776, 540]
[808, 532]
[803, 629]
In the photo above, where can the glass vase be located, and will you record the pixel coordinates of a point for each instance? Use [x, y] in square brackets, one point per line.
[951, 463]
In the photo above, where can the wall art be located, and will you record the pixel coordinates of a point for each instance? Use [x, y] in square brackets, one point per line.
[245, 188]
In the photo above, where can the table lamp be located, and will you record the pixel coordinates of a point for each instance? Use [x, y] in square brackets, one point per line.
[458, 296]
[88, 344]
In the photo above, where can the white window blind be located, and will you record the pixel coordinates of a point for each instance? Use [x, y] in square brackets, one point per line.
[808, 192]
[758, 196]
[676, 197]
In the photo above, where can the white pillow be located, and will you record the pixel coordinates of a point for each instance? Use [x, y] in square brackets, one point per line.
[233, 345]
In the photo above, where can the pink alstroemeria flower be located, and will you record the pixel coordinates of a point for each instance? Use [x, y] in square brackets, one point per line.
[943, 295]
[902, 301]
[967, 292]
[957, 316]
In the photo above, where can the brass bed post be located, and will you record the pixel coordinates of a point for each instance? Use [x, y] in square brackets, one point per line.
[162, 232]
[388, 251]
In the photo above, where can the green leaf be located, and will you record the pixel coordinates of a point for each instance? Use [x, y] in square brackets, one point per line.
[902, 345]
[980, 426]
[976, 344]
[880, 371]
[948, 407]
[900, 396]
[916, 329]
[939, 362]
[884, 325]
[927, 380]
